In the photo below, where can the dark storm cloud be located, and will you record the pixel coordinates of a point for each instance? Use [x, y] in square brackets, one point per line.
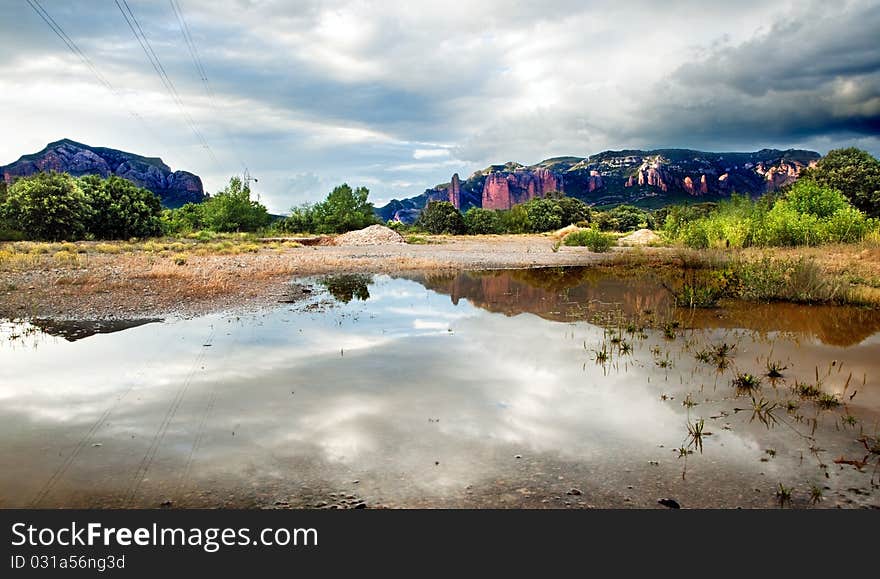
[816, 74]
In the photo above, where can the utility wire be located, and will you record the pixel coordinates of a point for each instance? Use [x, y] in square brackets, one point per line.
[144, 42]
[76, 51]
[199, 66]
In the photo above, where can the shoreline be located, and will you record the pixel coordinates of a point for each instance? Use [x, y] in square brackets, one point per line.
[139, 284]
[170, 278]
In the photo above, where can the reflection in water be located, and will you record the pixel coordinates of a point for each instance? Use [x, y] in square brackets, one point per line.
[72, 330]
[572, 293]
[345, 287]
[403, 398]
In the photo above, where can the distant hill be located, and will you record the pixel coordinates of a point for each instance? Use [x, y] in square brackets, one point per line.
[174, 188]
[645, 178]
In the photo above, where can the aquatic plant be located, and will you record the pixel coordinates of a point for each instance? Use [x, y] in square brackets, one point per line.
[827, 401]
[696, 432]
[805, 390]
[763, 411]
[745, 382]
[783, 495]
[775, 369]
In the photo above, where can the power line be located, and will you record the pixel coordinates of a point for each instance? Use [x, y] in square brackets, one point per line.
[199, 65]
[76, 51]
[144, 42]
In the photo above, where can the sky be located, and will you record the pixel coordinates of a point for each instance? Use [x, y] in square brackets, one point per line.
[398, 95]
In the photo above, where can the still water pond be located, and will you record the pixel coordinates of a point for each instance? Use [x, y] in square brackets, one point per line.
[548, 388]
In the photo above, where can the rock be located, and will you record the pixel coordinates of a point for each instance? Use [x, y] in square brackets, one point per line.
[455, 191]
[614, 177]
[670, 503]
[372, 235]
[503, 191]
[173, 188]
[575, 492]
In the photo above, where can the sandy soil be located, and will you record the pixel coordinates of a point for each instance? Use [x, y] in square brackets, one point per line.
[143, 284]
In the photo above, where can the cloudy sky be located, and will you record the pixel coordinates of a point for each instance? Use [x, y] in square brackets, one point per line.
[398, 95]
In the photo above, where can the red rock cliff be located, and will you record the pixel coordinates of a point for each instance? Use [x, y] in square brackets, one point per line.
[502, 191]
[454, 191]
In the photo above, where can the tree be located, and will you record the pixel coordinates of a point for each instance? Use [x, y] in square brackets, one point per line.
[544, 215]
[188, 217]
[441, 217]
[47, 206]
[233, 210]
[480, 221]
[120, 209]
[573, 210]
[853, 172]
[345, 209]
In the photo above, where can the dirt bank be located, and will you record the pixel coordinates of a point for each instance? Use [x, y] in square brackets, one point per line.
[85, 283]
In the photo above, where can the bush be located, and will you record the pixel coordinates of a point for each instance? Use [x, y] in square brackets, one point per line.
[119, 209]
[47, 206]
[344, 209]
[622, 218]
[479, 221]
[514, 220]
[233, 210]
[806, 214]
[441, 217]
[593, 239]
[853, 172]
[186, 219]
[544, 215]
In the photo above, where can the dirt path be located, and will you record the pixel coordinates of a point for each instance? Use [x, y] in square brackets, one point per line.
[143, 284]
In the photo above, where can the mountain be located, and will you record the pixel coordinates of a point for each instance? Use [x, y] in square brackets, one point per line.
[645, 178]
[66, 156]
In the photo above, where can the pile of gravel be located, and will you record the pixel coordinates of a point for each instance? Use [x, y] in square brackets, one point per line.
[372, 235]
[640, 237]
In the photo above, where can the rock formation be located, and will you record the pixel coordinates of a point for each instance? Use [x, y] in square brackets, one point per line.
[615, 177]
[455, 191]
[174, 188]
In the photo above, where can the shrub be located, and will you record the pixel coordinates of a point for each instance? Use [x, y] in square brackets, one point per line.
[544, 215]
[344, 209]
[593, 239]
[47, 206]
[232, 209]
[806, 214]
[119, 209]
[515, 220]
[479, 221]
[441, 217]
[853, 172]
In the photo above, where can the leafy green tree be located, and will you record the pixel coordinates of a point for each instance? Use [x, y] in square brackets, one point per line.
[628, 217]
[189, 217]
[232, 209]
[807, 196]
[515, 220]
[345, 209]
[441, 217]
[120, 209]
[300, 220]
[573, 210]
[544, 215]
[853, 172]
[47, 206]
[480, 221]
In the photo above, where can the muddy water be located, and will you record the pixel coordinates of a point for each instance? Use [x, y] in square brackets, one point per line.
[472, 390]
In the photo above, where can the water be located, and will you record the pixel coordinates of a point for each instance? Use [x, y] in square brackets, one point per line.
[472, 390]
